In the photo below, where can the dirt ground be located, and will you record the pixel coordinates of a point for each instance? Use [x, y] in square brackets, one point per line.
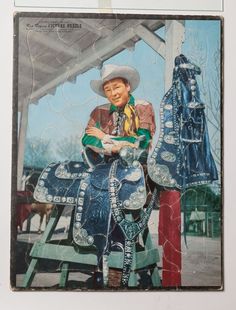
[201, 260]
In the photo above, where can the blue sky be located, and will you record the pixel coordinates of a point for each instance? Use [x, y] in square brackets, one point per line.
[67, 112]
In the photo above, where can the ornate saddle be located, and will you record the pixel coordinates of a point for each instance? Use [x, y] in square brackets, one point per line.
[73, 183]
[98, 194]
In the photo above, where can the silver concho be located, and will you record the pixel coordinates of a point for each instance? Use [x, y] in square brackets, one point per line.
[90, 240]
[57, 199]
[77, 225]
[40, 194]
[80, 201]
[169, 124]
[169, 139]
[168, 107]
[136, 199]
[135, 164]
[134, 175]
[70, 199]
[44, 175]
[62, 173]
[161, 175]
[126, 203]
[81, 236]
[195, 105]
[141, 189]
[151, 161]
[49, 197]
[84, 233]
[168, 156]
[82, 194]
[78, 217]
[83, 186]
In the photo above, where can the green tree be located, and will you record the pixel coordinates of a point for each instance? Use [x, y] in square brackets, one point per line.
[200, 197]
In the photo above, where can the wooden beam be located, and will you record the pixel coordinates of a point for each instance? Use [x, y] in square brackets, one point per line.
[95, 27]
[72, 79]
[25, 80]
[56, 45]
[91, 55]
[50, 42]
[35, 64]
[21, 144]
[153, 40]
[174, 37]
[130, 45]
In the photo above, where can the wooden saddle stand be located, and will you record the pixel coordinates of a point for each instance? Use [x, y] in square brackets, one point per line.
[121, 185]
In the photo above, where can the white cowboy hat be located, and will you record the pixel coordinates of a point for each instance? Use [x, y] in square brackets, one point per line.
[110, 72]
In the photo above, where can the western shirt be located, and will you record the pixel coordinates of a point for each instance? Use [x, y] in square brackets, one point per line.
[110, 120]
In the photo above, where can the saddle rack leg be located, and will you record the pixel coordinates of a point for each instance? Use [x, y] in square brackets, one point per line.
[156, 282]
[64, 274]
[29, 276]
[155, 277]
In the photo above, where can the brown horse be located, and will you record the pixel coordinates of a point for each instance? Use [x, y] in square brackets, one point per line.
[27, 210]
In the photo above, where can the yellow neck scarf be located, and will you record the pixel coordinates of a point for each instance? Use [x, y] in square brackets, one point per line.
[131, 123]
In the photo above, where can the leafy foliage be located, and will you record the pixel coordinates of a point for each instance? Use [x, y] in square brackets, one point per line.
[201, 197]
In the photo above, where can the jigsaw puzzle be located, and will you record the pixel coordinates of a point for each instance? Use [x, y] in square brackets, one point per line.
[117, 174]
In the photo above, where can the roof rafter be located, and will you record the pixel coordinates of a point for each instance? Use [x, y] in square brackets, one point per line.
[92, 55]
[35, 64]
[96, 28]
[152, 39]
[50, 42]
[26, 79]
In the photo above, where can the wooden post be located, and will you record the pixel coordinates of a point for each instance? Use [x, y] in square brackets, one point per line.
[169, 229]
[174, 37]
[21, 143]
